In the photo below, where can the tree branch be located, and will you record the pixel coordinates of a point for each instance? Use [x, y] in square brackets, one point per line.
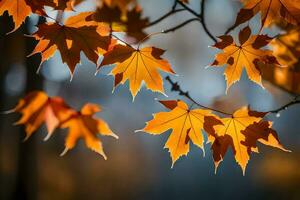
[175, 87]
[200, 16]
[286, 106]
[189, 9]
[168, 14]
[204, 23]
[180, 25]
[230, 29]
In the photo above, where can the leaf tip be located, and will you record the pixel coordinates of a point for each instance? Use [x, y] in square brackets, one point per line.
[64, 152]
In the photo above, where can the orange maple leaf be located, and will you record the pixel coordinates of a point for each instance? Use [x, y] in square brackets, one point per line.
[241, 132]
[247, 54]
[84, 125]
[18, 9]
[286, 48]
[21, 9]
[186, 125]
[70, 39]
[270, 10]
[137, 65]
[37, 108]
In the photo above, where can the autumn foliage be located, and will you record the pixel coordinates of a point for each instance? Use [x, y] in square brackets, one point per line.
[96, 34]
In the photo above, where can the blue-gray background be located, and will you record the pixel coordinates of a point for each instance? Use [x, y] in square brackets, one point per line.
[138, 167]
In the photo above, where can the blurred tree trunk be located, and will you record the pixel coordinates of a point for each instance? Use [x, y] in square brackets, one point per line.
[27, 170]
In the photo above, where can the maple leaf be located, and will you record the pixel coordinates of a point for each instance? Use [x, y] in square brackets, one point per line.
[247, 54]
[70, 39]
[270, 10]
[107, 14]
[186, 125]
[37, 108]
[122, 4]
[84, 125]
[241, 132]
[110, 15]
[21, 9]
[132, 23]
[135, 24]
[18, 9]
[286, 48]
[137, 65]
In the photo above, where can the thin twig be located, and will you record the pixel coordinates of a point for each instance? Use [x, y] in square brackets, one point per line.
[189, 9]
[121, 40]
[229, 29]
[171, 12]
[201, 17]
[202, 14]
[286, 106]
[175, 87]
[180, 25]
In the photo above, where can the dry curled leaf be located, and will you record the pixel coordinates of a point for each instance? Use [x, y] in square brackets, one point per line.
[70, 39]
[84, 125]
[186, 125]
[137, 65]
[241, 132]
[245, 54]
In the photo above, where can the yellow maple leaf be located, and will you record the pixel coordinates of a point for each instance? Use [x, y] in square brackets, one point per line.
[84, 125]
[245, 54]
[186, 125]
[137, 65]
[241, 132]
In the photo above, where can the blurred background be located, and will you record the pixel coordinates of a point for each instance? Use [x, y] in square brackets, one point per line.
[138, 167]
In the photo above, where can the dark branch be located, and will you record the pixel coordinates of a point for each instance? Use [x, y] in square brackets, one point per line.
[175, 87]
[202, 15]
[230, 29]
[180, 25]
[189, 9]
[171, 12]
[286, 106]
[199, 17]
